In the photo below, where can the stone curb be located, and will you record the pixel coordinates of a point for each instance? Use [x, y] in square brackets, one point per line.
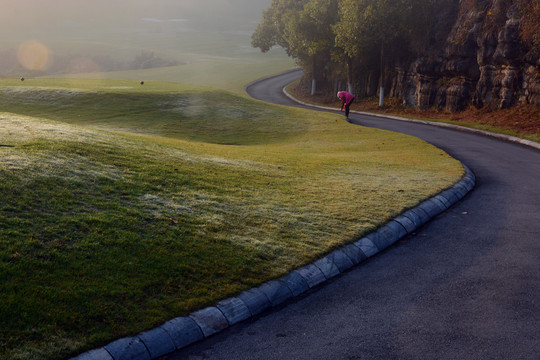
[127, 349]
[235, 310]
[255, 300]
[509, 138]
[184, 331]
[99, 354]
[211, 320]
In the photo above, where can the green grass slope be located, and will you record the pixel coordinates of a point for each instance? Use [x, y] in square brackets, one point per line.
[160, 109]
[124, 206]
[230, 74]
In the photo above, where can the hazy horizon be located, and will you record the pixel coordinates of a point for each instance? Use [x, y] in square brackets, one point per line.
[32, 16]
[119, 30]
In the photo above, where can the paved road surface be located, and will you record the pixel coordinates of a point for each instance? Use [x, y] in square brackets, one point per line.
[466, 286]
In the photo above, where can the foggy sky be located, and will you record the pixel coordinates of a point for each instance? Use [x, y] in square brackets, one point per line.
[24, 18]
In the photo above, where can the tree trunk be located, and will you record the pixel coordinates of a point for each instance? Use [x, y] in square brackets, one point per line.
[313, 80]
[350, 75]
[381, 79]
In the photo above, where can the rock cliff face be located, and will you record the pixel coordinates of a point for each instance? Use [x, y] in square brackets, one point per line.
[484, 62]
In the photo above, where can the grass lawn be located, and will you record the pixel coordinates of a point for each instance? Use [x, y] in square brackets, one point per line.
[124, 206]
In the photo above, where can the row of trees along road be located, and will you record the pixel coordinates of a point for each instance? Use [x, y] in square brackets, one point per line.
[347, 39]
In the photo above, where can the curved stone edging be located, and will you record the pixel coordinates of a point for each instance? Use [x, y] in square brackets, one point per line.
[181, 332]
[514, 139]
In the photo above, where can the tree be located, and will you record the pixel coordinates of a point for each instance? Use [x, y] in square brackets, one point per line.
[385, 23]
[348, 36]
[530, 20]
[386, 27]
[309, 35]
[270, 30]
[370, 34]
[303, 28]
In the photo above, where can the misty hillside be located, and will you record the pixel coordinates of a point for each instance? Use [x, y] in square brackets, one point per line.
[118, 35]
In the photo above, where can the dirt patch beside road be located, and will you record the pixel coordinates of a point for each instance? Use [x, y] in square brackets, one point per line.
[522, 119]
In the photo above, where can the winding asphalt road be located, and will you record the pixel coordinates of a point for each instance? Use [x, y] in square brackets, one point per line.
[466, 286]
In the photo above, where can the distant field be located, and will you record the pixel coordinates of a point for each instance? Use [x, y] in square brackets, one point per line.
[228, 74]
[211, 57]
[124, 206]
[225, 61]
[209, 40]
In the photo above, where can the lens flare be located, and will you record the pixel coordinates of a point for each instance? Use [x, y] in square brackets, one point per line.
[33, 55]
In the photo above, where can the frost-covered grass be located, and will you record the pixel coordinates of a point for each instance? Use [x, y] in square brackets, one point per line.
[120, 209]
[172, 110]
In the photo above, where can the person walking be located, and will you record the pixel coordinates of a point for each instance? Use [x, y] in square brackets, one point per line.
[346, 101]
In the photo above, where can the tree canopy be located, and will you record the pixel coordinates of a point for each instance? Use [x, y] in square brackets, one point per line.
[353, 33]
[303, 28]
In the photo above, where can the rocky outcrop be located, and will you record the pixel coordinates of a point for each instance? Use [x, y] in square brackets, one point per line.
[484, 63]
